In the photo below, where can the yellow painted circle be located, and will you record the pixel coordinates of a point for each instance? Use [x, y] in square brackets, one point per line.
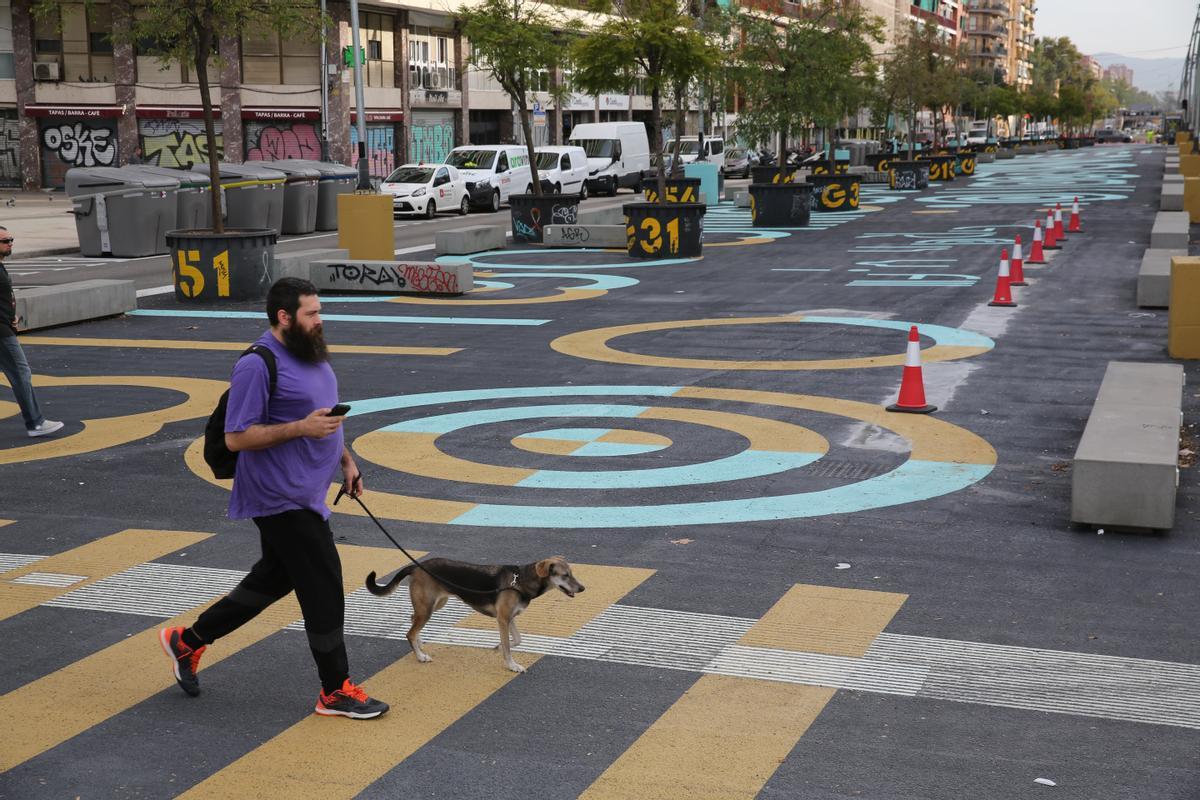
[563, 447]
[594, 346]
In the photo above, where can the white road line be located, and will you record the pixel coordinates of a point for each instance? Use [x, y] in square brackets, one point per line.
[155, 290]
[1027, 678]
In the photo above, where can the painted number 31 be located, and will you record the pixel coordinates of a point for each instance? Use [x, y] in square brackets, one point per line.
[191, 278]
[651, 238]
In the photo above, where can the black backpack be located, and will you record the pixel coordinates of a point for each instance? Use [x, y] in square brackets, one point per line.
[220, 458]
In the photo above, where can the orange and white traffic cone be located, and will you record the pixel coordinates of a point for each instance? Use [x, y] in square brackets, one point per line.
[1075, 226]
[1059, 233]
[1036, 256]
[912, 385]
[1003, 295]
[1017, 265]
[1051, 242]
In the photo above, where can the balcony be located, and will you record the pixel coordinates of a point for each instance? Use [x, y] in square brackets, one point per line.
[998, 33]
[994, 8]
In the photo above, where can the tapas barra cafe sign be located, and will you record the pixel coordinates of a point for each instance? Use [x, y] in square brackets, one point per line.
[267, 114]
[74, 111]
[436, 97]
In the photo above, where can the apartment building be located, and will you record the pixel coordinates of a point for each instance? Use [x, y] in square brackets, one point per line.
[1119, 73]
[1000, 38]
[948, 15]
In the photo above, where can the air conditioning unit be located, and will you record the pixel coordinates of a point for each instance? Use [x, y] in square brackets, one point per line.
[45, 70]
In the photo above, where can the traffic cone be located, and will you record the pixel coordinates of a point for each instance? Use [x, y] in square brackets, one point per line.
[912, 385]
[1059, 233]
[1017, 266]
[1003, 296]
[1051, 243]
[1036, 256]
[1074, 226]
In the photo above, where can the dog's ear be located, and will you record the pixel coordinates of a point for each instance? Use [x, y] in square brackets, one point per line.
[542, 568]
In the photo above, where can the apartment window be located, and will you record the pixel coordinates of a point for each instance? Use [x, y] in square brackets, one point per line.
[77, 38]
[378, 33]
[429, 61]
[270, 60]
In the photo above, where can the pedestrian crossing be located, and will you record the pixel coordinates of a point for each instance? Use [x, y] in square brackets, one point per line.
[757, 685]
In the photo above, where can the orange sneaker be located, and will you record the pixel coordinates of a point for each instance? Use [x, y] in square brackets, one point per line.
[349, 701]
[184, 660]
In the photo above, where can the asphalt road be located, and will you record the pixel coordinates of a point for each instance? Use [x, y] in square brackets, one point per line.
[791, 593]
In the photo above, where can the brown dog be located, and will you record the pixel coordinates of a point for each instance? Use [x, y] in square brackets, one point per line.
[496, 591]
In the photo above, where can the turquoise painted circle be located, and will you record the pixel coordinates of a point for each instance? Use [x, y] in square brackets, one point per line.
[474, 262]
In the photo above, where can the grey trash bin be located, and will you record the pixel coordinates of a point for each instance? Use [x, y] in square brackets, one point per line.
[335, 179]
[252, 195]
[299, 196]
[193, 202]
[121, 212]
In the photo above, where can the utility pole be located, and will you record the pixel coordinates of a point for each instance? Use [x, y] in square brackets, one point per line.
[364, 176]
[324, 88]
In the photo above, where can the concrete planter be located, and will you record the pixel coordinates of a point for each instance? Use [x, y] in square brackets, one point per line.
[530, 214]
[665, 230]
[679, 190]
[908, 175]
[835, 192]
[771, 174]
[780, 205]
[216, 267]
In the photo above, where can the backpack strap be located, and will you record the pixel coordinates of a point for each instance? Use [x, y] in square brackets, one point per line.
[268, 356]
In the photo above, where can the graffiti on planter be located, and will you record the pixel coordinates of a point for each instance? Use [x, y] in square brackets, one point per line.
[413, 277]
[524, 232]
[177, 143]
[564, 215]
[78, 144]
[575, 234]
[271, 141]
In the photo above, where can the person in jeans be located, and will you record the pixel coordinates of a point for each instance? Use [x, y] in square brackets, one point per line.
[12, 358]
[288, 448]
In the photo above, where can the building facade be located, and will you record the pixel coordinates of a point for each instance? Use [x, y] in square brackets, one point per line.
[1000, 39]
[1119, 73]
[948, 15]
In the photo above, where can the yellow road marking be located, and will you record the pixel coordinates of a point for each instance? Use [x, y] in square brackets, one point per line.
[97, 559]
[428, 699]
[725, 737]
[183, 344]
[825, 619]
[549, 447]
[4, 522]
[98, 687]
[100, 434]
[767, 435]
[418, 454]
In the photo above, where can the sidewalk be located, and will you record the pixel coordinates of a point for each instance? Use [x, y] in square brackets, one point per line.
[40, 222]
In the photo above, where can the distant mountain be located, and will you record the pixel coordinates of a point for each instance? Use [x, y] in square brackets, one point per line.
[1149, 74]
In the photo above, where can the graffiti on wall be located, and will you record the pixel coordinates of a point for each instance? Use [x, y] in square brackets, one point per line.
[68, 143]
[179, 143]
[270, 141]
[431, 138]
[10, 151]
[381, 149]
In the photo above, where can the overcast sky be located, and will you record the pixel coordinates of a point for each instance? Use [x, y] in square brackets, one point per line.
[1145, 29]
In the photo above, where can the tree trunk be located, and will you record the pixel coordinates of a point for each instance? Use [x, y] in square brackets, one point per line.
[656, 129]
[782, 161]
[912, 133]
[203, 48]
[527, 131]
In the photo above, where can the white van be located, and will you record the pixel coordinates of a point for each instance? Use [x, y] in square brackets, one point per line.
[492, 172]
[563, 169]
[618, 154]
[689, 149]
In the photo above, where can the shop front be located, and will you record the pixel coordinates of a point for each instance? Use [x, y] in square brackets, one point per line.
[74, 136]
[174, 137]
[385, 132]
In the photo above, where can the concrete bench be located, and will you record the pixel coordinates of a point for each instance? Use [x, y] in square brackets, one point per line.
[1027, 150]
[1125, 472]
[1154, 278]
[48, 306]
[392, 277]
[741, 200]
[1005, 154]
[1170, 231]
[299, 263]
[464, 241]
[611, 215]
[985, 158]
[1173, 179]
[1172, 197]
[600, 236]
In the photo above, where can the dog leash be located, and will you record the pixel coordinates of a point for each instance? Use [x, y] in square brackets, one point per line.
[512, 585]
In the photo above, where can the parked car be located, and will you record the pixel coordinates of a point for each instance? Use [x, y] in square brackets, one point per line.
[618, 154]
[1106, 135]
[689, 149]
[492, 172]
[737, 162]
[563, 169]
[977, 133]
[426, 189]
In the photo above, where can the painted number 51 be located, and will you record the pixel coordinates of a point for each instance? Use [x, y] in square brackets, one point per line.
[191, 278]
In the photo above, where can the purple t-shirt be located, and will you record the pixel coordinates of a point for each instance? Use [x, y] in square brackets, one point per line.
[295, 474]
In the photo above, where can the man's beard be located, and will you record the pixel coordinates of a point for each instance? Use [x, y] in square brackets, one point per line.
[309, 346]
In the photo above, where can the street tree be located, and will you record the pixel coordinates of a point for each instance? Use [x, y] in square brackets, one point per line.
[188, 32]
[514, 40]
[910, 72]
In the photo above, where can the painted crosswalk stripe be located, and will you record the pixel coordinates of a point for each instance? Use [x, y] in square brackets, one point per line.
[726, 736]
[184, 344]
[93, 689]
[88, 562]
[455, 682]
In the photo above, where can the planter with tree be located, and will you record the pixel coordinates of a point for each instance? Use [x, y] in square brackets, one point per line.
[656, 40]
[909, 74]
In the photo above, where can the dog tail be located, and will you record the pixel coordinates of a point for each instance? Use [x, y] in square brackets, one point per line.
[389, 587]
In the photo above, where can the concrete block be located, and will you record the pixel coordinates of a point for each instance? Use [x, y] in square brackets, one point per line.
[1027, 150]
[859, 170]
[1176, 178]
[1171, 165]
[1191, 198]
[366, 225]
[1170, 231]
[298, 264]
[48, 306]
[1137, 385]
[474, 239]
[1172, 197]
[1189, 166]
[1154, 278]
[392, 277]
[1183, 318]
[610, 215]
[1125, 472]
[741, 200]
[1183, 342]
[985, 158]
[584, 236]
[1006, 154]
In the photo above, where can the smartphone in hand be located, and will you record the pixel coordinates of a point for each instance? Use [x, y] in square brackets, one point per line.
[339, 410]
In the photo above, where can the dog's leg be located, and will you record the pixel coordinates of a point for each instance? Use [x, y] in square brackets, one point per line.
[423, 608]
[514, 634]
[504, 619]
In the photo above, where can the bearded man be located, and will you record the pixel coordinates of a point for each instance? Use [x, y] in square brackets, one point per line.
[288, 448]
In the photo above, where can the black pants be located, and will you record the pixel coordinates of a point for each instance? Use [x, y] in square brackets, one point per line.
[297, 554]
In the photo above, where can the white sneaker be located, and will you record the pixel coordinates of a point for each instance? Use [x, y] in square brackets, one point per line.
[47, 427]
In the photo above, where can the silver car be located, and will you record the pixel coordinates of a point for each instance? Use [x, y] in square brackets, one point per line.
[737, 162]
